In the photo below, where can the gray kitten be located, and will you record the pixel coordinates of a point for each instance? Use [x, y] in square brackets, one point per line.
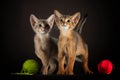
[45, 45]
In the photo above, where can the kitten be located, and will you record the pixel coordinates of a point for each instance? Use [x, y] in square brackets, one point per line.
[70, 43]
[45, 45]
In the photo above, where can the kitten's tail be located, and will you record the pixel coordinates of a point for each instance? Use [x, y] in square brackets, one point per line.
[81, 23]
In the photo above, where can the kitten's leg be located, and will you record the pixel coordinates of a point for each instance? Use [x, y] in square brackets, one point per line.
[45, 66]
[61, 59]
[44, 59]
[71, 60]
[52, 67]
[85, 62]
[44, 69]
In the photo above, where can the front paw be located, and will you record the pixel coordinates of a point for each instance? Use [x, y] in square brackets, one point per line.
[60, 72]
[68, 72]
[89, 72]
[44, 70]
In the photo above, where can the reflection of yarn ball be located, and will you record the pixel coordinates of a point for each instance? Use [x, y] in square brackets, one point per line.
[105, 67]
[30, 66]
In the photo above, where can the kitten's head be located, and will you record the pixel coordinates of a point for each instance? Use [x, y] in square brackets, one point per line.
[41, 26]
[66, 23]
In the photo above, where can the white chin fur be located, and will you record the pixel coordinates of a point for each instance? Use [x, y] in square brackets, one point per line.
[42, 32]
[64, 28]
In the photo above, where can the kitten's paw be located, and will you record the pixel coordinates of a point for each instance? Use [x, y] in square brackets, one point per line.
[60, 72]
[68, 72]
[52, 69]
[44, 70]
[89, 72]
[45, 73]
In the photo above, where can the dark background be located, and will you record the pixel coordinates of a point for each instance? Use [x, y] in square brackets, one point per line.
[100, 31]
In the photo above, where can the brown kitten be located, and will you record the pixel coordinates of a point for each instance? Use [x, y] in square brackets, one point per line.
[45, 45]
[70, 43]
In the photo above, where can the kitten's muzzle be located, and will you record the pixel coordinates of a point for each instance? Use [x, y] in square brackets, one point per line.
[64, 25]
[42, 29]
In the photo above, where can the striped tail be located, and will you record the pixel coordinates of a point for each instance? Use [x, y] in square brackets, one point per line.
[81, 24]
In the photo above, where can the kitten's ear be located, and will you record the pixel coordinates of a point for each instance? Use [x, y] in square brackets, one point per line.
[33, 20]
[50, 20]
[57, 13]
[76, 17]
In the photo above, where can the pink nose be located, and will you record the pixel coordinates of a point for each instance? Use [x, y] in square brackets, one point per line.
[43, 29]
[64, 25]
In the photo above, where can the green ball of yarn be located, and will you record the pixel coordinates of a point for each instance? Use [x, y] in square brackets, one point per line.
[30, 66]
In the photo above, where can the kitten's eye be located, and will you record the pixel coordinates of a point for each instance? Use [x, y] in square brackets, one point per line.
[68, 20]
[40, 25]
[47, 26]
[61, 20]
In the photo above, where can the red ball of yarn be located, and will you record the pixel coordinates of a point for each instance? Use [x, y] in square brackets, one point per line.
[105, 66]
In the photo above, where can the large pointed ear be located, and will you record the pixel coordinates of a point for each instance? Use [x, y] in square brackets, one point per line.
[76, 17]
[33, 20]
[57, 13]
[50, 20]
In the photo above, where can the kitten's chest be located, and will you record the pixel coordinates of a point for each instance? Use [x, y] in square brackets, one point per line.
[44, 44]
[66, 40]
[64, 43]
[42, 41]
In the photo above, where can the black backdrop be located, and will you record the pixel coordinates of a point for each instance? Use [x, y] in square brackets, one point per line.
[100, 30]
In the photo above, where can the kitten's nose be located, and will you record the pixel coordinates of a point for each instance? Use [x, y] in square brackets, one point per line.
[43, 29]
[64, 25]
